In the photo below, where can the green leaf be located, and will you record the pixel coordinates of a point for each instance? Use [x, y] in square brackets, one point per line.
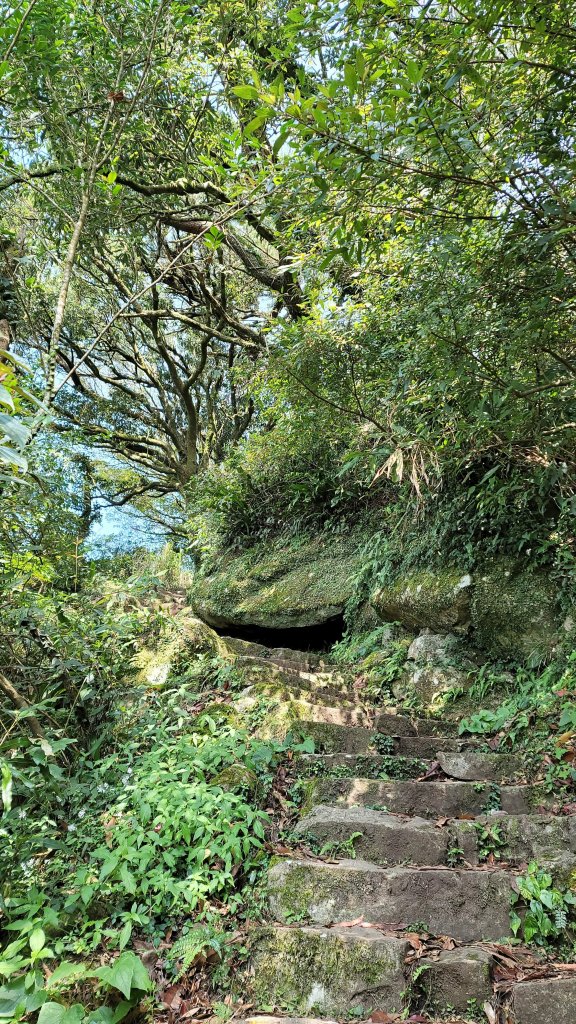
[6, 398]
[125, 935]
[126, 974]
[414, 71]
[37, 940]
[66, 971]
[6, 790]
[515, 922]
[246, 92]
[55, 1013]
[350, 77]
[14, 429]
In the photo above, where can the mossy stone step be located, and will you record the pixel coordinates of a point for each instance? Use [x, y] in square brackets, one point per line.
[280, 692]
[385, 839]
[470, 766]
[471, 905]
[428, 746]
[518, 838]
[426, 799]
[550, 1000]
[269, 667]
[334, 739]
[329, 970]
[319, 720]
[371, 766]
[435, 727]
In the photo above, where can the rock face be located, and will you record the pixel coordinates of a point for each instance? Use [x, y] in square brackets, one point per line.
[504, 609]
[439, 601]
[277, 587]
[430, 683]
[514, 612]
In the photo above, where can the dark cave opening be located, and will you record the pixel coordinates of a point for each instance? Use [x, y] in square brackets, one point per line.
[320, 637]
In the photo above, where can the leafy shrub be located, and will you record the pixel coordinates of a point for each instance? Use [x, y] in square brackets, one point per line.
[545, 911]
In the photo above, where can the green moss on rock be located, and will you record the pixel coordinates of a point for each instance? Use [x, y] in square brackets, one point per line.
[324, 971]
[278, 587]
[187, 639]
[438, 600]
[515, 613]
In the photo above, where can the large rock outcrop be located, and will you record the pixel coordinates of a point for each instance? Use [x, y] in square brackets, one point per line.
[278, 587]
[504, 609]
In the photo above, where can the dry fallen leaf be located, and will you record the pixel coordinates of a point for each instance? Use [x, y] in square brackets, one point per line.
[490, 1013]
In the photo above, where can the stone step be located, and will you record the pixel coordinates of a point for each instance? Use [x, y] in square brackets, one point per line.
[471, 905]
[394, 725]
[283, 667]
[518, 838]
[388, 839]
[385, 839]
[329, 970]
[551, 1000]
[336, 740]
[425, 799]
[457, 978]
[369, 766]
[290, 693]
[428, 746]
[464, 766]
[333, 739]
[322, 722]
[470, 766]
[435, 727]
[322, 714]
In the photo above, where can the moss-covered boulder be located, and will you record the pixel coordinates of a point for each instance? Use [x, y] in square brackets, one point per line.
[437, 600]
[505, 609]
[187, 638]
[515, 612]
[431, 684]
[278, 586]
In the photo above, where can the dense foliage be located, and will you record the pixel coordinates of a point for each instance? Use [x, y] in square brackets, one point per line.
[267, 268]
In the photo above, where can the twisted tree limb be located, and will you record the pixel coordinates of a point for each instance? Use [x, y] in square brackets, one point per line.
[22, 704]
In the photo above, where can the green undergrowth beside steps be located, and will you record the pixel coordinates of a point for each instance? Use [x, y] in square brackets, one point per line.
[146, 839]
[142, 842]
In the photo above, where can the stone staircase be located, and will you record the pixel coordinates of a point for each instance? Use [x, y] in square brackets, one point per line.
[351, 933]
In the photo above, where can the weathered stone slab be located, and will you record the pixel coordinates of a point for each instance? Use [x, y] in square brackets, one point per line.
[470, 766]
[456, 978]
[426, 746]
[549, 1001]
[394, 725]
[385, 839]
[549, 839]
[333, 739]
[329, 970]
[469, 905]
[429, 799]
